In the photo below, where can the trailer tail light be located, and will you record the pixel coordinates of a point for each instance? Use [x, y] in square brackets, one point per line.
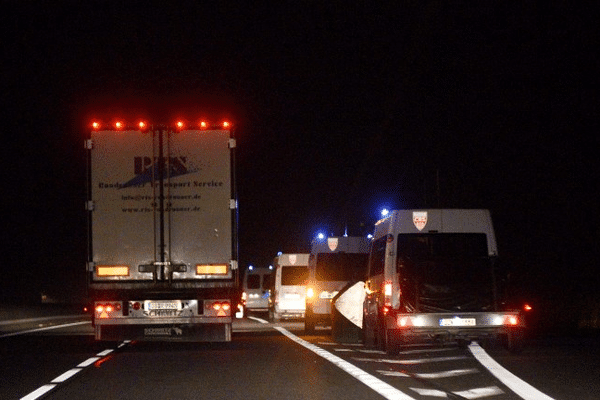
[527, 307]
[225, 124]
[112, 270]
[387, 293]
[107, 310]
[119, 125]
[96, 125]
[203, 124]
[219, 308]
[211, 269]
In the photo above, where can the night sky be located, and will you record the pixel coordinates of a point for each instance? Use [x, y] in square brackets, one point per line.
[339, 111]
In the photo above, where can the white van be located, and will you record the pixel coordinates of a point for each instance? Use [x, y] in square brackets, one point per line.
[432, 275]
[288, 288]
[334, 262]
[255, 291]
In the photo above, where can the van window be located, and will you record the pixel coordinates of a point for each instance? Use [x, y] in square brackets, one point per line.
[341, 266]
[435, 245]
[266, 281]
[377, 261]
[253, 282]
[294, 276]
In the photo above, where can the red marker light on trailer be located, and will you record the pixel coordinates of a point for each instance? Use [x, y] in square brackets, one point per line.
[226, 124]
[119, 125]
[95, 125]
[179, 125]
[142, 125]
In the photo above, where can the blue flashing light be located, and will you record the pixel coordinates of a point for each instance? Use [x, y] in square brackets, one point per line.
[270, 267]
[320, 236]
[385, 212]
[250, 267]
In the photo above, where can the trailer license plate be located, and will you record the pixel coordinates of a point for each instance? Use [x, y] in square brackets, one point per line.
[457, 321]
[163, 305]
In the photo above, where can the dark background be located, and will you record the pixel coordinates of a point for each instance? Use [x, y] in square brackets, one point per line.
[340, 109]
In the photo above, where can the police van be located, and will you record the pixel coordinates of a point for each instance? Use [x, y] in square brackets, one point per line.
[288, 287]
[255, 291]
[334, 263]
[432, 275]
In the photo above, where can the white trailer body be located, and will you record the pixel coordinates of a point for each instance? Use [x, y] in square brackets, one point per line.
[432, 275]
[162, 260]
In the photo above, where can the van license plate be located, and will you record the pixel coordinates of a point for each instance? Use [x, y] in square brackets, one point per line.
[457, 321]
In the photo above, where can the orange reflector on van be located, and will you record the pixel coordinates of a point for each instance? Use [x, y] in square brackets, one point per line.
[112, 270]
[213, 269]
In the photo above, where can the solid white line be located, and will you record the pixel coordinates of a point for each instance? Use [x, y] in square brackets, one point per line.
[384, 389]
[65, 376]
[44, 329]
[262, 321]
[520, 387]
[39, 319]
[39, 392]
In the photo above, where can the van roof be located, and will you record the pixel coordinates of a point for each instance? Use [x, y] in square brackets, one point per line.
[291, 259]
[338, 244]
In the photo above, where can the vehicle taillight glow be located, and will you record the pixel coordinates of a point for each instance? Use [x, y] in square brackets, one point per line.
[142, 125]
[180, 125]
[527, 307]
[226, 124]
[511, 320]
[203, 124]
[310, 293]
[119, 125]
[96, 125]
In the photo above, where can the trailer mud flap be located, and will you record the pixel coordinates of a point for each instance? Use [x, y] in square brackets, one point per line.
[177, 332]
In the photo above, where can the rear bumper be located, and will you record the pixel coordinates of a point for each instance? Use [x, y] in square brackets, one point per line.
[456, 325]
[213, 329]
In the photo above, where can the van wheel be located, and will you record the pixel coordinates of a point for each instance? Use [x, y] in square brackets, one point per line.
[392, 342]
[367, 333]
[309, 326]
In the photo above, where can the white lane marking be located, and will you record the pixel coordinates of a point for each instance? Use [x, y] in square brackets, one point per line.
[514, 383]
[411, 362]
[88, 362]
[39, 319]
[384, 389]
[467, 394]
[433, 375]
[39, 392]
[44, 329]
[66, 375]
[262, 321]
